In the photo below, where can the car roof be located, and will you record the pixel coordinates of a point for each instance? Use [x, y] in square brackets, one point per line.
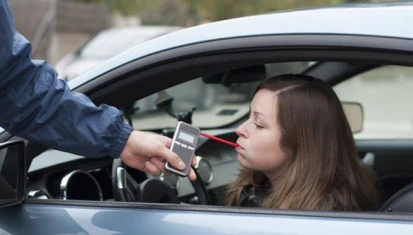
[369, 19]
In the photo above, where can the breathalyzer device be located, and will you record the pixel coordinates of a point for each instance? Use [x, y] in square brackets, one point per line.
[183, 144]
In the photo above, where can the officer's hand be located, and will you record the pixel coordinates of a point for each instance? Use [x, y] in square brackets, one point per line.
[148, 152]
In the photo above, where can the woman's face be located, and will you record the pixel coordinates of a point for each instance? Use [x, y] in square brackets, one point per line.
[260, 136]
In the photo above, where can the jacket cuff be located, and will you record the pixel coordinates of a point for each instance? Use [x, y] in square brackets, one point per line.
[120, 141]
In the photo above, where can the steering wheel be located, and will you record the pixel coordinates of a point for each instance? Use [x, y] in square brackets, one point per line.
[125, 188]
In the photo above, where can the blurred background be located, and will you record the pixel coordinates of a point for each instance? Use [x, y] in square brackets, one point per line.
[71, 34]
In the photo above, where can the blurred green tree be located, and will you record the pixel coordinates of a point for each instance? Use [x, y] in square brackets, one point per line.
[188, 12]
[166, 12]
[124, 7]
[224, 9]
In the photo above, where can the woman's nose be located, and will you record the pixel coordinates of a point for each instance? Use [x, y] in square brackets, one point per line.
[241, 130]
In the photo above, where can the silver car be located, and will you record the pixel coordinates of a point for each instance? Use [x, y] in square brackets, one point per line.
[206, 75]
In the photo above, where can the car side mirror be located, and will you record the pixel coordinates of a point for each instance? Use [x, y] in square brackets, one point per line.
[355, 115]
[12, 173]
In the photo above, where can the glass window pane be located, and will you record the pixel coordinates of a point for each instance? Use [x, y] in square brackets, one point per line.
[386, 94]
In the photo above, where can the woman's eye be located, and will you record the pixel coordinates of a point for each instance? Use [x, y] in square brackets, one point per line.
[258, 126]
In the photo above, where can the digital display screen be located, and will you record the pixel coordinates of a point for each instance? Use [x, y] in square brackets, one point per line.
[187, 137]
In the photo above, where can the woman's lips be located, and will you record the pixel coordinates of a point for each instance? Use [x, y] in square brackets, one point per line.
[241, 151]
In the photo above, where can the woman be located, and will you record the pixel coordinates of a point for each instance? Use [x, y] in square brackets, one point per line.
[297, 151]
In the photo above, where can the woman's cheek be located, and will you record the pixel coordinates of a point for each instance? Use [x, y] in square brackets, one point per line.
[264, 151]
[262, 146]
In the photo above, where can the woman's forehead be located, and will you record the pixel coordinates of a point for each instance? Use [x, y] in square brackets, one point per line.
[264, 103]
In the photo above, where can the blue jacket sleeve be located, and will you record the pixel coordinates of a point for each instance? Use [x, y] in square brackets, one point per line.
[39, 107]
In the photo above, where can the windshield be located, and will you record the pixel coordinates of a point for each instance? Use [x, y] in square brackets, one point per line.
[215, 105]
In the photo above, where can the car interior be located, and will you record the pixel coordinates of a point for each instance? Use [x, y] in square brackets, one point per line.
[217, 103]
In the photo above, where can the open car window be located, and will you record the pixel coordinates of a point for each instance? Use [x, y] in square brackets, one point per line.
[215, 105]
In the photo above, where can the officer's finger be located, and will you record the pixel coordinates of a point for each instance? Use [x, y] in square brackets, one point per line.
[164, 153]
[192, 175]
[158, 163]
[152, 169]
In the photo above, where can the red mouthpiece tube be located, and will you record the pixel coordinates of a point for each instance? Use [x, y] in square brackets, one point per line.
[219, 139]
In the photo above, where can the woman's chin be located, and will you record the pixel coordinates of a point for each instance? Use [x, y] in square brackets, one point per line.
[242, 160]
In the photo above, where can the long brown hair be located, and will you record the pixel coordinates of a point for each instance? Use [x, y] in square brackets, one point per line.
[324, 171]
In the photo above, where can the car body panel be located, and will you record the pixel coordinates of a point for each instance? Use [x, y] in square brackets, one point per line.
[62, 219]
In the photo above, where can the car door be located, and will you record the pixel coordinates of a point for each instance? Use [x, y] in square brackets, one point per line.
[53, 217]
[143, 77]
